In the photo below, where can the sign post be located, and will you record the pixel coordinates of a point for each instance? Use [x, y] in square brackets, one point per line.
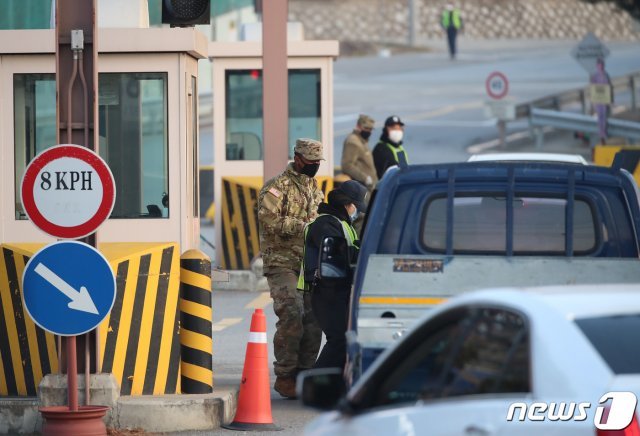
[497, 86]
[68, 287]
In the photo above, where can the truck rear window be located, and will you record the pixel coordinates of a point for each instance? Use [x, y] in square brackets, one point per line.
[480, 225]
[616, 338]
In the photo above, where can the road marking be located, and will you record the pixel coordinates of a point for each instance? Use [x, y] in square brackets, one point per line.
[345, 118]
[224, 323]
[478, 148]
[456, 123]
[263, 300]
[476, 104]
[416, 118]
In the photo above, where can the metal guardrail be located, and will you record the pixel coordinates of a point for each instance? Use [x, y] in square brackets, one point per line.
[583, 123]
[629, 82]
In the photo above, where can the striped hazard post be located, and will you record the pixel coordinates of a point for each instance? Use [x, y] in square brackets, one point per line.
[196, 344]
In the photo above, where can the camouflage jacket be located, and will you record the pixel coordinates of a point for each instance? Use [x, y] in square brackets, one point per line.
[285, 205]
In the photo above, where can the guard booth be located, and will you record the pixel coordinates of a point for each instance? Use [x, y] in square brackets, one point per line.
[148, 135]
[238, 145]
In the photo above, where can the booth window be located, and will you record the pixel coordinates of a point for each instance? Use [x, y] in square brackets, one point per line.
[243, 108]
[133, 136]
[134, 141]
[34, 123]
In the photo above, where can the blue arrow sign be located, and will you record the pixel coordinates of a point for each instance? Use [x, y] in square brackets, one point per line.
[68, 288]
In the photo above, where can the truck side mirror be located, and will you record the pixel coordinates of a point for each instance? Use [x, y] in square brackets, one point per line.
[321, 388]
[334, 259]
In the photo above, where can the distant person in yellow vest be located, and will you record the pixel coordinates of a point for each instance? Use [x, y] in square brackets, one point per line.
[451, 22]
[357, 160]
[389, 150]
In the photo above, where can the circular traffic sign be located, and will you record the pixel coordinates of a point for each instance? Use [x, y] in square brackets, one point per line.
[68, 191]
[497, 85]
[68, 288]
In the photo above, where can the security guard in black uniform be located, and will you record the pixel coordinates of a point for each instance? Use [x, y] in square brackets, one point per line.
[330, 301]
[389, 150]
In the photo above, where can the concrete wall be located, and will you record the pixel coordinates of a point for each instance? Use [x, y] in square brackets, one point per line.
[386, 21]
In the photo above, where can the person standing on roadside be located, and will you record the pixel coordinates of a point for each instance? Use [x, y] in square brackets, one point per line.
[357, 159]
[286, 204]
[389, 151]
[330, 297]
[451, 23]
[602, 109]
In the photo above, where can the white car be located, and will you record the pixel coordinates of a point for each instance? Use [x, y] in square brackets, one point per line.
[538, 361]
[534, 157]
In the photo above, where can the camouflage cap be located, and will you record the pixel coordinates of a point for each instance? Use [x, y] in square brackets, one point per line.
[366, 121]
[309, 148]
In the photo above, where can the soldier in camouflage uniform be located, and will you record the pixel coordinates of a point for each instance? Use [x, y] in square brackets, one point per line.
[285, 205]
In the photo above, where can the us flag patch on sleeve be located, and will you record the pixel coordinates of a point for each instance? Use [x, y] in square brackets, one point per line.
[275, 192]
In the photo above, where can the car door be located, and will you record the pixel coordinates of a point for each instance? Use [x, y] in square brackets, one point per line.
[456, 379]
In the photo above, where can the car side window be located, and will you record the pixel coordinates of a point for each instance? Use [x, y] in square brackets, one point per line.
[493, 358]
[422, 368]
[485, 352]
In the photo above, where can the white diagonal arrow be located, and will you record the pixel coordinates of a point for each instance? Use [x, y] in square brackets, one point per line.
[79, 300]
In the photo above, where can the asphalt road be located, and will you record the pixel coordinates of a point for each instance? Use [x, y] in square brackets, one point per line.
[441, 102]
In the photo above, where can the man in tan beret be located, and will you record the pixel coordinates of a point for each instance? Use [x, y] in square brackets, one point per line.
[357, 160]
[285, 205]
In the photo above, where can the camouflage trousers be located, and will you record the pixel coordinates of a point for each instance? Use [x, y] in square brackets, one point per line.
[297, 339]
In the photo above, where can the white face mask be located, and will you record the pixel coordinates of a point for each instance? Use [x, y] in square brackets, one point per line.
[354, 214]
[396, 135]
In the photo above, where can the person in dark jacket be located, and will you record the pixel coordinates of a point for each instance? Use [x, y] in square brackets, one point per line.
[330, 300]
[389, 151]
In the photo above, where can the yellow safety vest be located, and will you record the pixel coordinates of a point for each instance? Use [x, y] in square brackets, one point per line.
[398, 154]
[350, 235]
[448, 16]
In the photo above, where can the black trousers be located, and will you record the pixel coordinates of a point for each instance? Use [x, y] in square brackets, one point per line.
[331, 307]
[452, 33]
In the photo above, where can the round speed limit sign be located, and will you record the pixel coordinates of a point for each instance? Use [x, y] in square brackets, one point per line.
[497, 85]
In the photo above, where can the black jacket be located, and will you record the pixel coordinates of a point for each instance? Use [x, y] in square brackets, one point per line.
[321, 228]
[383, 158]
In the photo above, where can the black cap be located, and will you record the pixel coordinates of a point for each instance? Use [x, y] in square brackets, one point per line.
[393, 120]
[356, 192]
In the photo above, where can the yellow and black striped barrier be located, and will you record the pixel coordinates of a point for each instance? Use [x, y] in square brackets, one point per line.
[196, 343]
[240, 239]
[27, 352]
[138, 340]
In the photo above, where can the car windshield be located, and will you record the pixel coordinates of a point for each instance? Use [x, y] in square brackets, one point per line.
[616, 338]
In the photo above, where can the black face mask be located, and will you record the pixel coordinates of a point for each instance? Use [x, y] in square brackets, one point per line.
[365, 134]
[310, 169]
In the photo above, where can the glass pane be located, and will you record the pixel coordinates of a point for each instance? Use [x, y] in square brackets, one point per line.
[480, 225]
[493, 358]
[34, 108]
[244, 115]
[304, 106]
[194, 142]
[616, 338]
[133, 141]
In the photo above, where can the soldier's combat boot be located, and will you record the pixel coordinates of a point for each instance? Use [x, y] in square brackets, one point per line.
[286, 386]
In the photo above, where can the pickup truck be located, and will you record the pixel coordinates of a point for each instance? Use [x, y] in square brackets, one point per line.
[435, 231]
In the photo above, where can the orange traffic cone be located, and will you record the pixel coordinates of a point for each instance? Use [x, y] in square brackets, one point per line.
[254, 399]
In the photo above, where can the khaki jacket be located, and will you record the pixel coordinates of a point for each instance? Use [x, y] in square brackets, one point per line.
[357, 160]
